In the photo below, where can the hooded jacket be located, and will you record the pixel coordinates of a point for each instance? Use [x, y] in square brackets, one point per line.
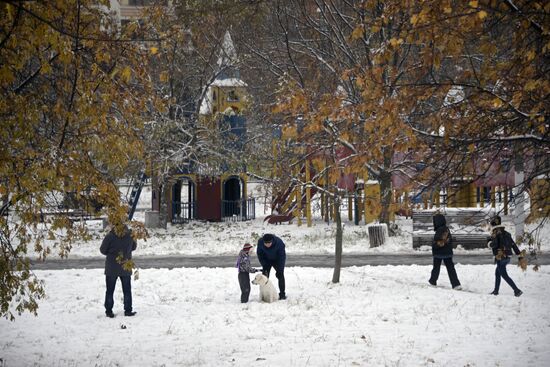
[114, 246]
[502, 240]
[442, 233]
[275, 255]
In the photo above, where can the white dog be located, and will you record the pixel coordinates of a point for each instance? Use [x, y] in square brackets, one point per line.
[267, 290]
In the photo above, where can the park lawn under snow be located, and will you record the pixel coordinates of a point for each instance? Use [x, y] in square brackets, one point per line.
[376, 316]
[227, 238]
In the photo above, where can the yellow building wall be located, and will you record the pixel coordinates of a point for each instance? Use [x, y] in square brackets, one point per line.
[228, 97]
[540, 198]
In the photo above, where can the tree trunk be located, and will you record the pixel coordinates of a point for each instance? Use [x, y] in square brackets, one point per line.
[338, 245]
[163, 208]
[386, 188]
[385, 197]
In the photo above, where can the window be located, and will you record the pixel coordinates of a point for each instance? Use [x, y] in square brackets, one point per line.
[232, 96]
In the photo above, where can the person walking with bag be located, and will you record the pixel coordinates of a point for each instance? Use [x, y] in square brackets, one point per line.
[442, 251]
[502, 245]
[117, 247]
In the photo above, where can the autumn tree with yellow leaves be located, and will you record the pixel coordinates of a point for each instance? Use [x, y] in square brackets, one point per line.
[75, 95]
[417, 88]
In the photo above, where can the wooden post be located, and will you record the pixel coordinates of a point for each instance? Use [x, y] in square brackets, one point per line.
[350, 208]
[327, 197]
[299, 204]
[493, 197]
[366, 203]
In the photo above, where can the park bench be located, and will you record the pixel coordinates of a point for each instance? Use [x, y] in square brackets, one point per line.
[74, 215]
[468, 226]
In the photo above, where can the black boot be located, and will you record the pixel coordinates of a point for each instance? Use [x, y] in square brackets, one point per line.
[109, 314]
[129, 313]
[518, 293]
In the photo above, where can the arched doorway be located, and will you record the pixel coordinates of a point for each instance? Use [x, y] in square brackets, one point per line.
[183, 200]
[232, 197]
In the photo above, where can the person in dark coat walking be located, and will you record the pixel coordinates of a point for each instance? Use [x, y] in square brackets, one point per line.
[271, 253]
[442, 251]
[243, 264]
[118, 249]
[502, 245]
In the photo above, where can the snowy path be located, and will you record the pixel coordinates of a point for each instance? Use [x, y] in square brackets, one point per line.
[314, 261]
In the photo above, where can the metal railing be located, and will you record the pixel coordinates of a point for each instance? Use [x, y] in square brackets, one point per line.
[232, 211]
[183, 212]
[238, 210]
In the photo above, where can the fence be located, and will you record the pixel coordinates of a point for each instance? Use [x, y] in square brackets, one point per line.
[183, 212]
[238, 210]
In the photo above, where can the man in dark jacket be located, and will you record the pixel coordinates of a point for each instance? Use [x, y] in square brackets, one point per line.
[271, 253]
[442, 250]
[502, 245]
[118, 249]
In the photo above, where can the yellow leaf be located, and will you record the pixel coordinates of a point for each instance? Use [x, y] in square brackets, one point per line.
[473, 3]
[396, 42]
[530, 55]
[154, 50]
[164, 77]
[497, 102]
[357, 32]
[447, 10]
[482, 14]
[414, 19]
[530, 85]
[126, 74]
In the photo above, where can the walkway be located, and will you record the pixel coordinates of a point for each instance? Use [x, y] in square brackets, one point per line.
[315, 261]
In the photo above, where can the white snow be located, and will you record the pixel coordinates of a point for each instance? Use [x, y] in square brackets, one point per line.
[375, 316]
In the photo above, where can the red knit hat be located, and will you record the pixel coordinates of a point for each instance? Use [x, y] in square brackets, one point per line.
[247, 247]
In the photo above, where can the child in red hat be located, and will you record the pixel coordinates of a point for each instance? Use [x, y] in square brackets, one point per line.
[243, 265]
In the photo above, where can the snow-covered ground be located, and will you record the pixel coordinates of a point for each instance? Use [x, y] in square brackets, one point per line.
[375, 316]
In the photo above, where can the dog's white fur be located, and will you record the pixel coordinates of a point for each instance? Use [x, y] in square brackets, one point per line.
[267, 290]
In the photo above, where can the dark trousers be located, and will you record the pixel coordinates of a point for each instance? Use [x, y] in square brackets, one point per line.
[500, 272]
[244, 283]
[451, 271]
[110, 282]
[279, 273]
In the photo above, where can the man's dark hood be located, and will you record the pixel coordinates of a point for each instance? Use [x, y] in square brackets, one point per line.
[439, 221]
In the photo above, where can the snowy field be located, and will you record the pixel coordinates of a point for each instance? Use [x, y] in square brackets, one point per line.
[376, 316]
